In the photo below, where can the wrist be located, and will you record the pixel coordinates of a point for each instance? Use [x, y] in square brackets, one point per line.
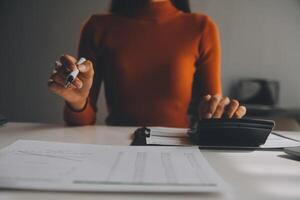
[78, 105]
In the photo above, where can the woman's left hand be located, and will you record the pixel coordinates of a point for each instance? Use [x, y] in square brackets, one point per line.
[216, 106]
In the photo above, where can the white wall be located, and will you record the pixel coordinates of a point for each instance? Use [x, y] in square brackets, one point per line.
[260, 38]
[33, 35]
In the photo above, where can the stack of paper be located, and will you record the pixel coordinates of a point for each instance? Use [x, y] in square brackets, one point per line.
[168, 136]
[179, 137]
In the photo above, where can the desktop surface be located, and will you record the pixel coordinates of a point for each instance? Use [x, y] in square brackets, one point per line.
[249, 174]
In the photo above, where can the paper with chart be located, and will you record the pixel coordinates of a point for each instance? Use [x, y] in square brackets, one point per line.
[82, 167]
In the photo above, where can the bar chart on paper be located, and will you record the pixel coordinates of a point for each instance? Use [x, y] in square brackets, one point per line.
[81, 167]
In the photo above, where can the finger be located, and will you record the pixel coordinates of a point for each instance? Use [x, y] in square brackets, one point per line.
[213, 103]
[203, 107]
[68, 62]
[57, 65]
[61, 79]
[59, 89]
[221, 107]
[54, 71]
[77, 83]
[206, 97]
[62, 70]
[55, 87]
[240, 112]
[86, 70]
[58, 78]
[232, 107]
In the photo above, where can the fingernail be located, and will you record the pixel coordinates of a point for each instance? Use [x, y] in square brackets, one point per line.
[227, 100]
[50, 81]
[82, 68]
[58, 63]
[207, 97]
[208, 115]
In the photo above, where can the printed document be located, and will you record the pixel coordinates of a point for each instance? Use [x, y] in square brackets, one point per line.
[56, 166]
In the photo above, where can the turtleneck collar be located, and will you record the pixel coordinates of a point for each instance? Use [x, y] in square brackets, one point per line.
[155, 10]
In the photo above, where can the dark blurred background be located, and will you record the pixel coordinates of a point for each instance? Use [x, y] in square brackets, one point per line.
[260, 39]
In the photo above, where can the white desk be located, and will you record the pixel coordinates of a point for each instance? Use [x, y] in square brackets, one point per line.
[251, 175]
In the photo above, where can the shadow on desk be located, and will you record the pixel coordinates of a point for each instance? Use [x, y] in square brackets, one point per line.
[82, 195]
[285, 119]
[36, 127]
[289, 157]
[286, 124]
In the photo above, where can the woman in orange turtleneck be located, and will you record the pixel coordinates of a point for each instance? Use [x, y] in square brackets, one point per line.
[156, 60]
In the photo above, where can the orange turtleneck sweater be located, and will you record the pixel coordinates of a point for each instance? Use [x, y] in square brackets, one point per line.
[152, 64]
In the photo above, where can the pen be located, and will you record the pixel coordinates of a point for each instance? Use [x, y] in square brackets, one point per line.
[72, 76]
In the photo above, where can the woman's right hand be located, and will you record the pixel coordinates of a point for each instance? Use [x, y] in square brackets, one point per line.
[216, 106]
[75, 94]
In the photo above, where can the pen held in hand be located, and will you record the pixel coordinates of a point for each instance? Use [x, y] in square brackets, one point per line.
[72, 76]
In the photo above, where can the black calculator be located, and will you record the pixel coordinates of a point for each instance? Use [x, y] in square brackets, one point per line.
[231, 132]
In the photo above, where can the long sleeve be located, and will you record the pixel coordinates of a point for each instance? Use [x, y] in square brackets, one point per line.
[207, 78]
[209, 63]
[87, 49]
